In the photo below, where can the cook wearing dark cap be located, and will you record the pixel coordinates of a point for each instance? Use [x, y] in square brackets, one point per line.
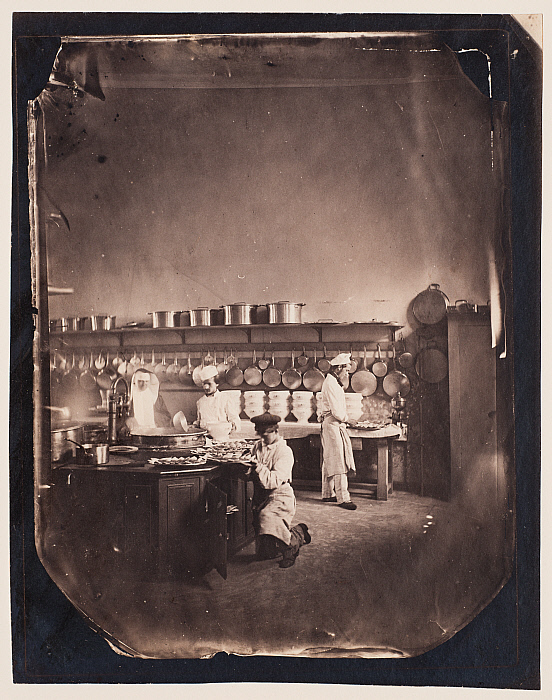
[273, 499]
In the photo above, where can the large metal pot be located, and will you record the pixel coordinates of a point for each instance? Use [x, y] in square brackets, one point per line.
[165, 319]
[239, 314]
[430, 306]
[61, 431]
[77, 323]
[200, 317]
[101, 322]
[284, 312]
[168, 437]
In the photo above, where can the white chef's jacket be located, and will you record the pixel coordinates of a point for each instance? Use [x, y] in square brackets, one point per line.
[216, 408]
[333, 399]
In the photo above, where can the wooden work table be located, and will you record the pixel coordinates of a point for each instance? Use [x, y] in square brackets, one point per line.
[359, 438]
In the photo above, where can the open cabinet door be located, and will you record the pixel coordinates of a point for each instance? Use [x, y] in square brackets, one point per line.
[216, 509]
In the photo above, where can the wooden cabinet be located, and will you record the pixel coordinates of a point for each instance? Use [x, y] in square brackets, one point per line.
[239, 493]
[474, 454]
[159, 525]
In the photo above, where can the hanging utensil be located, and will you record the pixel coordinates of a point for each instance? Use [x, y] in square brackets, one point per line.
[234, 376]
[252, 375]
[173, 370]
[223, 367]
[185, 374]
[208, 359]
[107, 375]
[302, 360]
[406, 359]
[272, 376]
[99, 362]
[161, 369]
[379, 368]
[291, 378]
[323, 363]
[364, 381]
[396, 382]
[430, 306]
[313, 377]
[196, 374]
[151, 365]
[353, 364]
[263, 363]
[432, 364]
[87, 379]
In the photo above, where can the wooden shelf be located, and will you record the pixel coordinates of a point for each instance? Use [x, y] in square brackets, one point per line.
[283, 336]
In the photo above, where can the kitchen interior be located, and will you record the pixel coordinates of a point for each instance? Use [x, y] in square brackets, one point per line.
[183, 188]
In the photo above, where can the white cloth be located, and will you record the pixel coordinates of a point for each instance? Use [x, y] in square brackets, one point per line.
[144, 401]
[217, 408]
[335, 486]
[273, 491]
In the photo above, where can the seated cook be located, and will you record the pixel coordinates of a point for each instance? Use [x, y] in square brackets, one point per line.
[147, 408]
[273, 497]
[214, 407]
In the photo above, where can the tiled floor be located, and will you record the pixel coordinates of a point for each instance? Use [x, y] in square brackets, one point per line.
[391, 578]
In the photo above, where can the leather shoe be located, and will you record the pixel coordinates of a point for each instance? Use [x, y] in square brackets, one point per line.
[331, 499]
[349, 505]
[288, 559]
[306, 535]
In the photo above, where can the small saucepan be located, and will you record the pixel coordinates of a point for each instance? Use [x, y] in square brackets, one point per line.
[91, 453]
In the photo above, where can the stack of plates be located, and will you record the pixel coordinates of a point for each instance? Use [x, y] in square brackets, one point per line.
[301, 405]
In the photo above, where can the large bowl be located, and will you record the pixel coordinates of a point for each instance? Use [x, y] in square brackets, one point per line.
[168, 437]
[219, 431]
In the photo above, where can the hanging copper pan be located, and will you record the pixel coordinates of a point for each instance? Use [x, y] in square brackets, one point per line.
[272, 376]
[396, 382]
[430, 306]
[432, 364]
[363, 381]
[313, 377]
[379, 368]
[291, 378]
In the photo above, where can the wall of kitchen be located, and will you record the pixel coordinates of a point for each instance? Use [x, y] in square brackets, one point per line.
[350, 199]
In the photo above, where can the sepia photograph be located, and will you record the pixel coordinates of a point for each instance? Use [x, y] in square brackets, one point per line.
[269, 405]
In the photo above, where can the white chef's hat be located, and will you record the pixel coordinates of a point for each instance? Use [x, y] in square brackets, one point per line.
[208, 372]
[344, 358]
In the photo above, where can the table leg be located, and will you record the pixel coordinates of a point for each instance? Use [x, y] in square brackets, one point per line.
[383, 469]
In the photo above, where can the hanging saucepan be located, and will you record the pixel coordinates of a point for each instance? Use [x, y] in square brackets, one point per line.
[432, 364]
[313, 377]
[151, 365]
[272, 376]
[223, 367]
[160, 369]
[379, 368]
[70, 379]
[186, 372]
[197, 371]
[173, 370]
[396, 382]
[430, 306]
[323, 363]
[363, 381]
[106, 376]
[302, 360]
[253, 375]
[263, 363]
[234, 376]
[87, 379]
[353, 364]
[291, 378]
[406, 359]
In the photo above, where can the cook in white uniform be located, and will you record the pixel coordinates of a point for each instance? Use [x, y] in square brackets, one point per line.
[337, 451]
[273, 498]
[147, 408]
[214, 407]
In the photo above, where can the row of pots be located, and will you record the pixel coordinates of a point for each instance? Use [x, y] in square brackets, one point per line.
[239, 314]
